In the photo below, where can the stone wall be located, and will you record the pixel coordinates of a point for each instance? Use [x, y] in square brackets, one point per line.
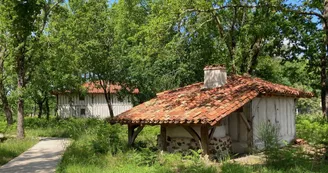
[217, 147]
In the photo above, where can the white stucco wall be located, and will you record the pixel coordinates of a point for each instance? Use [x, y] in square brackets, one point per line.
[277, 110]
[95, 105]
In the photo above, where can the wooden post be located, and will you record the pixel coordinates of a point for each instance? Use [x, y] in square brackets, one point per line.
[204, 139]
[163, 138]
[130, 134]
[248, 119]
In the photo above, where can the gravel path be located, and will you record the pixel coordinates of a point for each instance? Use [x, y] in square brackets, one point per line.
[41, 158]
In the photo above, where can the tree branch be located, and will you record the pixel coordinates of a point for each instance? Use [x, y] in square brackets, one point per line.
[47, 12]
[281, 8]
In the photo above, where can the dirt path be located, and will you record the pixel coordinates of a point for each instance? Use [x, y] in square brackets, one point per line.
[41, 158]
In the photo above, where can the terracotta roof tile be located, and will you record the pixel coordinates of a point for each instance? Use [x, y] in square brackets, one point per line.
[93, 88]
[193, 105]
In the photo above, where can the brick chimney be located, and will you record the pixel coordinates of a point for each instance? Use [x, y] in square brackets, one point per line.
[214, 76]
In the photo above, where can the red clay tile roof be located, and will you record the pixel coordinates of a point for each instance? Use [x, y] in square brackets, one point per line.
[93, 88]
[193, 105]
[96, 89]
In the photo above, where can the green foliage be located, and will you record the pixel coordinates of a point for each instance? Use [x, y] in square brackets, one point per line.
[312, 128]
[97, 149]
[309, 105]
[295, 159]
[11, 148]
[91, 152]
[269, 135]
[108, 139]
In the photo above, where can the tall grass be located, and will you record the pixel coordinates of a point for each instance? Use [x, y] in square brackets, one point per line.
[101, 147]
[12, 147]
[291, 159]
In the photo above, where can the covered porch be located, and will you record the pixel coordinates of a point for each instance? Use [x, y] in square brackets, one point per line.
[197, 136]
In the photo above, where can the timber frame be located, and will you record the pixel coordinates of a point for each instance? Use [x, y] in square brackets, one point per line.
[203, 138]
[132, 133]
[206, 134]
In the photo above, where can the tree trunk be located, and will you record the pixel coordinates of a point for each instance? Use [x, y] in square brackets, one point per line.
[20, 105]
[109, 104]
[47, 108]
[56, 109]
[8, 113]
[20, 119]
[5, 105]
[323, 62]
[106, 86]
[40, 105]
[34, 109]
[3, 95]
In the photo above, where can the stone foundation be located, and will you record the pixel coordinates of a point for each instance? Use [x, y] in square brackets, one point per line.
[218, 147]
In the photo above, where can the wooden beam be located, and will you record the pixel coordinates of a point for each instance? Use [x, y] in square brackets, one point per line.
[136, 133]
[249, 127]
[204, 139]
[132, 134]
[163, 138]
[210, 136]
[249, 117]
[192, 132]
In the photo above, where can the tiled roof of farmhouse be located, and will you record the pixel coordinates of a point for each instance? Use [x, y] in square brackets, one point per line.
[93, 88]
[193, 105]
[96, 89]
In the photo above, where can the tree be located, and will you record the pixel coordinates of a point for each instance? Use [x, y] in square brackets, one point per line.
[3, 92]
[307, 36]
[25, 22]
[4, 53]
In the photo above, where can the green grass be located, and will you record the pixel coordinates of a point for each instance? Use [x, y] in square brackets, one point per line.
[93, 152]
[11, 148]
[101, 147]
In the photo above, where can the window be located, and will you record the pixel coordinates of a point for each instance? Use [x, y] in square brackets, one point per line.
[82, 111]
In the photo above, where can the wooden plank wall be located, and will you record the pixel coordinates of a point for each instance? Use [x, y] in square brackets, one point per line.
[277, 110]
[94, 104]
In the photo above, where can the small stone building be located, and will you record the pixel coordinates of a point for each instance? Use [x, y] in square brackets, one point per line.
[220, 115]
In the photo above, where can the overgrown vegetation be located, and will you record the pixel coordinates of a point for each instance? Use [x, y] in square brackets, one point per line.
[100, 147]
[103, 148]
[305, 158]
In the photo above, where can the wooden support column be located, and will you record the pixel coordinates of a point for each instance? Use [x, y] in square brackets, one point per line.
[163, 138]
[132, 134]
[204, 139]
[247, 118]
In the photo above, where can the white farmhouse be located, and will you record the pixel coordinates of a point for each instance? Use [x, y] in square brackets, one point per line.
[93, 103]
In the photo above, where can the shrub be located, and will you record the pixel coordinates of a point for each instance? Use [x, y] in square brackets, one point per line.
[108, 139]
[312, 128]
[269, 135]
